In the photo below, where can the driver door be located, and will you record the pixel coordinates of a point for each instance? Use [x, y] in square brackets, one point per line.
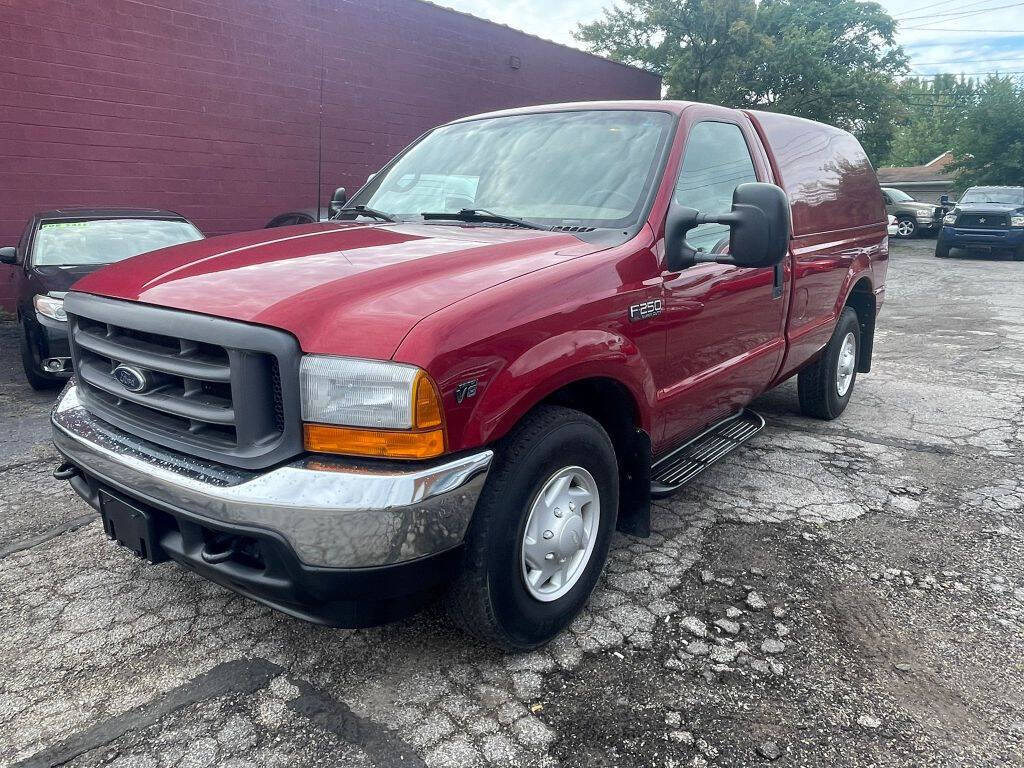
[724, 323]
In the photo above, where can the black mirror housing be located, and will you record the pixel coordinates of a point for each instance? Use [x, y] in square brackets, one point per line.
[8, 255]
[761, 228]
[759, 224]
[944, 200]
[338, 200]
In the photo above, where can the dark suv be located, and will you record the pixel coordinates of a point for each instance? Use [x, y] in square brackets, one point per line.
[57, 248]
[986, 219]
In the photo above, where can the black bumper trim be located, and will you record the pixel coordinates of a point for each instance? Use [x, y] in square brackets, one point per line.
[267, 570]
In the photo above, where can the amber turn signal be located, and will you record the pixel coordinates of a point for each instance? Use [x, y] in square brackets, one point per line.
[426, 411]
[377, 443]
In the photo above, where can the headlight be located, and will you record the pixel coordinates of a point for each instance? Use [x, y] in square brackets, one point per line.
[47, 306]
[370, 408]
[1017, 221]
[949, 218]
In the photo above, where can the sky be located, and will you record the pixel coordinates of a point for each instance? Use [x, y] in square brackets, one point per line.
[959, 36]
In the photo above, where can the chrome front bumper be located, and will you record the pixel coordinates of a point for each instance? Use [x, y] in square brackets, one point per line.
[333, 512]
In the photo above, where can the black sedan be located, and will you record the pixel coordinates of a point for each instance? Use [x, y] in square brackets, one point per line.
[58, 247]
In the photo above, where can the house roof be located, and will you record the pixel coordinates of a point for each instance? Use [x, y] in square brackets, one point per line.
[936, 170]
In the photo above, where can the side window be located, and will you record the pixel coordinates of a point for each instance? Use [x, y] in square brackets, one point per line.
[717, 161]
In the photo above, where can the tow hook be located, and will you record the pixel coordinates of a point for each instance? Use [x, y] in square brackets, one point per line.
[66, 471]
[224, 549]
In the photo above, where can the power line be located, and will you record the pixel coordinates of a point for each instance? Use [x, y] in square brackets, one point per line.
[942, 18]
[924, 7]
[960, 10]
[957, 31]
[1015, 60]
[924, 76]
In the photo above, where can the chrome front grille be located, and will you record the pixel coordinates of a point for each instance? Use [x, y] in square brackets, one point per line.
[215, 388]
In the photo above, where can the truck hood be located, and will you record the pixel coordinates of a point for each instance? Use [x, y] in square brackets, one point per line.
[339, 287]
[1004, 208]
[914, 205]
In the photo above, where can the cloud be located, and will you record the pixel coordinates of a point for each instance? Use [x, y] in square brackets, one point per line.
[938, 36]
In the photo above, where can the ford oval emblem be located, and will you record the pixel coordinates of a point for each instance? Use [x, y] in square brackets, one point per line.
[133, 379]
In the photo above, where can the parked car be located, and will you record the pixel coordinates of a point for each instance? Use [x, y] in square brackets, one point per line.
[986, 220]
[912, 217]
[522, 329]
[58, 247]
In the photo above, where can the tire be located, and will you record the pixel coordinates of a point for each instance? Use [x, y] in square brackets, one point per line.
[1018, 255]
[906, 227]
[36, 379]
[941, 251]
[818, 385]
[490, 599]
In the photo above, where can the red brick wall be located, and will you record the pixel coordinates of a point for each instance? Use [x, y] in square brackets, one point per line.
[211, 107]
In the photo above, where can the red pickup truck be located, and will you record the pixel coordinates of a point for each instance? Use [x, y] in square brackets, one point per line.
[518, 332]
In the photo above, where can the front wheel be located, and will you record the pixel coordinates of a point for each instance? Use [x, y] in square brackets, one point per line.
[941, 251]
[905, 227]
[825, 386]
[1018, 255]
[36, 378]
[540, 533]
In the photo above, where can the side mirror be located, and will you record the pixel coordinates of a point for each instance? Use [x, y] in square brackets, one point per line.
[759, 222]
[8, 255]
[944, 200]
[338, 200]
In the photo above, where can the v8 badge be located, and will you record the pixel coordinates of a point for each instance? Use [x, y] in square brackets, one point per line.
[464, 390]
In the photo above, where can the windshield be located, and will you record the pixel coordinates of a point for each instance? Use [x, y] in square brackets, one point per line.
[104, 241]
[1009, 195]
[590, 168]
[898, 196]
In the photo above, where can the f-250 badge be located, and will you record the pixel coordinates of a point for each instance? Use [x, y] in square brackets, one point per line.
[645, 310]
[464, 390]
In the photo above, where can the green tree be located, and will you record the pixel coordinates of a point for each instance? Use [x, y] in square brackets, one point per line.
[934, 111]
[989, 144]
[828, 60]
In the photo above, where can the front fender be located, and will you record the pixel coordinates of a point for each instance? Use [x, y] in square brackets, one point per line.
[548, 366]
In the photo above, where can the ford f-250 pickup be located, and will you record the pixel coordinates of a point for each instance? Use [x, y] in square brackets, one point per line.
[518, 332]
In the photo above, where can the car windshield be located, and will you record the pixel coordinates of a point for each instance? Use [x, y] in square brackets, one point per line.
[1008, 195]
[592, 168]
[104, 241]
[899, 196]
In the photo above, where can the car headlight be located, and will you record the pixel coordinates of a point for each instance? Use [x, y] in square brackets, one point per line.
[370, 408]
[48, 306]
[949, 218]
[1017, 221]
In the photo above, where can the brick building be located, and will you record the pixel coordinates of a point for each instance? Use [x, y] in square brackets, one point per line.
[213, 107]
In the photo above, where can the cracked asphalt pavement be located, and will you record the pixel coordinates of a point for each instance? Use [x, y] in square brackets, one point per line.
[843, 593]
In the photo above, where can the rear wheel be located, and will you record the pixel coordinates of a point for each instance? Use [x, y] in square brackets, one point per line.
[825, 386]
[906, 227]
[540, 533]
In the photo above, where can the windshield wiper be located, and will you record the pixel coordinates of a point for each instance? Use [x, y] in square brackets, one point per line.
[362, 210]
[482, 214]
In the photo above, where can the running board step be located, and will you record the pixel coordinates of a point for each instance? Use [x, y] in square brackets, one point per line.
[675, 470]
